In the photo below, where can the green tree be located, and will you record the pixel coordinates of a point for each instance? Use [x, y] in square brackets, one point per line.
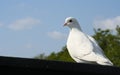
[63, 55]
[41, 56]
[110, 43]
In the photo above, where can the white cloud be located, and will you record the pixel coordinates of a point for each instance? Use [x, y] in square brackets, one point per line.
[109, 23]
[28, 46]
[26, 23]
[57, 35]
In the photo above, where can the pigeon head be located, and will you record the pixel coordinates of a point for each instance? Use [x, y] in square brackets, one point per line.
[71, 22]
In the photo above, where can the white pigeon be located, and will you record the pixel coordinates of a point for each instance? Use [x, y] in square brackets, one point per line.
[82, 47]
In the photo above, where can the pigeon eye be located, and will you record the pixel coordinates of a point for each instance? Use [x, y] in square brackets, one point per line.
[70, 20]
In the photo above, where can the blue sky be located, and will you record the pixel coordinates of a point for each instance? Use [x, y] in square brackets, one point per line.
[32, 27]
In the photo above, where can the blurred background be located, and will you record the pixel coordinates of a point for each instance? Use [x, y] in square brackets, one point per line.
[34, 28]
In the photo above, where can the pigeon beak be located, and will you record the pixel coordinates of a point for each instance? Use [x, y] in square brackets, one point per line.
[65, 24]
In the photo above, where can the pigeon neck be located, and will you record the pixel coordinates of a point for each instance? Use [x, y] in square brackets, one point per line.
[76, 28]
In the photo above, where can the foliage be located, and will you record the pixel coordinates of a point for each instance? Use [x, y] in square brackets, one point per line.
[63, 55]
[41, 56]
[108, 41]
